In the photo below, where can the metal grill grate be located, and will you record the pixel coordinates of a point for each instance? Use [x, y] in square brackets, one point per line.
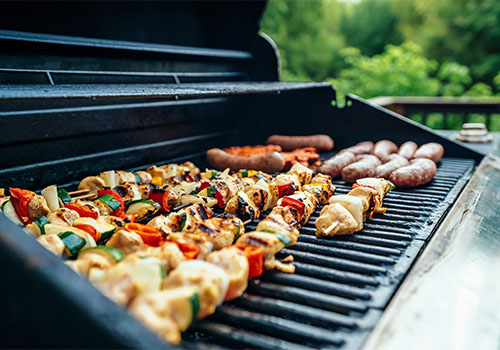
[342, 284]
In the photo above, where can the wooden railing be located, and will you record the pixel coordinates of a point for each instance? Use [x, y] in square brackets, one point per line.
[423, 106]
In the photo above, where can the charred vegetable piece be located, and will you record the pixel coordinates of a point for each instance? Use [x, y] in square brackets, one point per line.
[143, 209]
[72, 243]
[64, 197]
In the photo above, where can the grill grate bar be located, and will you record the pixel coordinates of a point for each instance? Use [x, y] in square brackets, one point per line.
[340, 283]
[328, 261]
[343, 253]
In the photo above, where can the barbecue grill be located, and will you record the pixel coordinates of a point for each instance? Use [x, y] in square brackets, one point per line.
[94, 86]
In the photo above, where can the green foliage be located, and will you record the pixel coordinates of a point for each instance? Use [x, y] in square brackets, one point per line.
[369, 25]
[398, 71]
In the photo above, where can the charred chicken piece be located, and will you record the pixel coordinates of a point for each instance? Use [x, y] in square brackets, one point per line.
[275, 222]
[221, 232]
[243, 207]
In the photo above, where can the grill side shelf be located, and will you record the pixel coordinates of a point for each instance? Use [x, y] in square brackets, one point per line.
[341, 285]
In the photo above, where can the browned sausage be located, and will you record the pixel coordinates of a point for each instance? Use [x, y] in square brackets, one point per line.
[408, 149]
[269, 163]
[395, 162]
[430, 150]
[334, 165]
[365, 147]
[288, 143]
[383, 148]
[364, 167]
[419, 172]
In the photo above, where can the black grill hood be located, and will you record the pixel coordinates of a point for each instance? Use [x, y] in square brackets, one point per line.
[231, 25]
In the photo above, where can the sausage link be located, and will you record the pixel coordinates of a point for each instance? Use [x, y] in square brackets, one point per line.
[430, 150]
[269, 163]
[365, 147]
[384, 148]
[364, 167]
[408, 149]
[288, 143]
[334, 165]
[395, 162]
[419, 172]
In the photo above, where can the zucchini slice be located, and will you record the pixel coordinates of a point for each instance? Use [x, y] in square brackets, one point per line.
[186, 304]
[110, 201]
[64, 197]
[72, 243]
[113, 254]
[41, 222]
[9, 211]
[50, 195]
[143, 209]
[105, 229]
[52, 229]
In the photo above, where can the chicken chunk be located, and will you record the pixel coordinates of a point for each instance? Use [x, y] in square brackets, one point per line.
[63, 216]
[156, 312]
[221, 232]
[210, 281]
[92, 183]
[83, 264]
[275, 222]
[168, 253]
[242, 206]
[52, 243]
[128, 242]
[234, 262]
[37, 207]
[259, 196]
[335, 219]
[269, 243]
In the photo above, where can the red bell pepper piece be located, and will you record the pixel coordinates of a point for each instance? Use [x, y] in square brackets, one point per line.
[121, 209]
[149, 235]
[204, 185]
[285, 189]
[190, 251]
[160, 196]
[83, 211]
[255, 261]
[128, 217]
[20, 199]
[294, 203]
[90, 230]
[220, 200]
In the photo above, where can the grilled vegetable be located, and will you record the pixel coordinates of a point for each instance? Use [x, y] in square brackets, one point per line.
[72, 243]
[41, 222]
[117, 209]
[143, 209]
[255, 262]
[160, 196]
[50, 195]
[82, 210]
[9, 211]
[149, 235]
[186, 304]
[111, 178]
[64, 197]
[104, 230]
[114, 255]
[20, 199]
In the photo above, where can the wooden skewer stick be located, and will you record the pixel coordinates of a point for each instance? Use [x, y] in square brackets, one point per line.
[247, 222]
[331, 227]
[84, 191]
[85, 196]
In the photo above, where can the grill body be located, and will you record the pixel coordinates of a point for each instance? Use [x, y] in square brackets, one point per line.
[89, 98]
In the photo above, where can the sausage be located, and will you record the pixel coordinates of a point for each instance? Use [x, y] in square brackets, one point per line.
[334, 165]
[365, 147]
[364, 167]
[288, 143]
[430, 150]
[383, 148]
[419, 172]
[408, 149]
[395, 162]
[269, 163]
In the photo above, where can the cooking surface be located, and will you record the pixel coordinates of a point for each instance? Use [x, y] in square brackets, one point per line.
[341, 285]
